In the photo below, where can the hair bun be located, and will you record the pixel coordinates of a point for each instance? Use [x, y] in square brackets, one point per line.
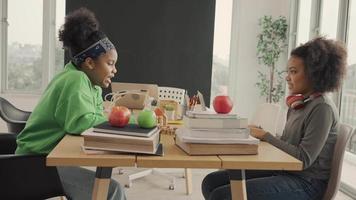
[78, 27]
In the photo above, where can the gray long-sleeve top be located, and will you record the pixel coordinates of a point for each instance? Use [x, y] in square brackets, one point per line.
[310, 136]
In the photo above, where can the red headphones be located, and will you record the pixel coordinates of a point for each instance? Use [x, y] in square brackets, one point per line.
[297, 101]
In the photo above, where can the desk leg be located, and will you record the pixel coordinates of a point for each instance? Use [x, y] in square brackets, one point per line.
[238, 184]
[102, 181]
[188, 181]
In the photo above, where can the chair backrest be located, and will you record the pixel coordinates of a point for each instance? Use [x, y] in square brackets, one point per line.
[338, 157]
[171, 93]
[14, 117]
[352, 143]
[26, 176]
[266, 116]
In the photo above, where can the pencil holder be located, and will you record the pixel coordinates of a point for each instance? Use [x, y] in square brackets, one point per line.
[198, 108]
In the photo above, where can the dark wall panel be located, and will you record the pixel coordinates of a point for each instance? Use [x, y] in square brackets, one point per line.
[167, 42]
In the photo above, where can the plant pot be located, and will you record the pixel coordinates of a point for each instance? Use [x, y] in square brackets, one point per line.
[170, 115]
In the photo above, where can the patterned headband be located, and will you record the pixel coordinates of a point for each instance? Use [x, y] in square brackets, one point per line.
[94, 50]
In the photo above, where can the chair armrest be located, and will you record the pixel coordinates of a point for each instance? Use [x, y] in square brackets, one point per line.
[8, 120]
[17, 121]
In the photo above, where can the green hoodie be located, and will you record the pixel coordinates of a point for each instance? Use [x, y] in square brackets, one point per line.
[69, 105]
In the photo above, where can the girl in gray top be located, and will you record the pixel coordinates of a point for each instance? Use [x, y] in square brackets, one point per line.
[309, 134]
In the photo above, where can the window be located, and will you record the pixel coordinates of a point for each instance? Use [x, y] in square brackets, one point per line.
[348, 105]
[221, 51]
[319, 15]
[329, 18]
[24, 45]
[303, 26]
[59, 52]
[348, 101]
[27, 42]
[338, 21]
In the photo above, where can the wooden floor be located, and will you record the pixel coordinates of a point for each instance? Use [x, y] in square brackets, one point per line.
[154, 187]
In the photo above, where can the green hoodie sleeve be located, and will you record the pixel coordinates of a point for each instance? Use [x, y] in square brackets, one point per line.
[79, 112]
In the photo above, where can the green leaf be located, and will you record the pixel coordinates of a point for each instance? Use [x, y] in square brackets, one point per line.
[272, 42]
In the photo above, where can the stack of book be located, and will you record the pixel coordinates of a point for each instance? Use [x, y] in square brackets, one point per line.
[208, 133]
[130, 138]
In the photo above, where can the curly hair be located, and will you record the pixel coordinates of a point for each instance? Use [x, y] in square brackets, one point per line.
[324, 61]
[80, 30]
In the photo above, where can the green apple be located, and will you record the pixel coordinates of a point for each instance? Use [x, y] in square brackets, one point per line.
[147, 119]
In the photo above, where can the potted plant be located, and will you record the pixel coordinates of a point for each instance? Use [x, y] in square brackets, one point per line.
[170, 112]
[272, 41]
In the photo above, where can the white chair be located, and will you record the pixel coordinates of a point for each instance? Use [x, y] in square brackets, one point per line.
[128, 178]
[178, 95]
[139, 173]
[267, 116]
[343, 136]
[175, 94]
[164, 93]
[171, 93]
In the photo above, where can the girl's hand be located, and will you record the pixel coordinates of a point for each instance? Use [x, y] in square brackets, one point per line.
[257, 132]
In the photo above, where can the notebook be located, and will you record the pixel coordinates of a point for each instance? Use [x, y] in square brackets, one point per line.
[130, 129]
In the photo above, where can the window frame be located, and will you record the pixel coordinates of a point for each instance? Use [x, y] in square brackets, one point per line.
[234, 50]
[342, 35]
[48, 46]
[3, 43]
[315, 23]
[213, 92]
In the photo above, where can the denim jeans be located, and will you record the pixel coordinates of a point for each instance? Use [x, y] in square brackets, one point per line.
[78, 184]
[267, 185]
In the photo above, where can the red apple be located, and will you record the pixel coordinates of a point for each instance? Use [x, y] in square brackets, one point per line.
[222, 104]
[119, 116]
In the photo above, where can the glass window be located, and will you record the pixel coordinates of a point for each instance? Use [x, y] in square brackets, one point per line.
[59, 52]
[329, 18]
[24, 49]
[303, 27]
[348, 104]
[221, 51]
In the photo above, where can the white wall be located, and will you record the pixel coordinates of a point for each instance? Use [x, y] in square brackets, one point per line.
[243, 55]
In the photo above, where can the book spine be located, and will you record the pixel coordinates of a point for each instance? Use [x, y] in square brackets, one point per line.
[90, 150]
[212, 116]
[217, 149]
[117, 140]
[120, 147]
[223, 133]
[195, 123]
[112, 131]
